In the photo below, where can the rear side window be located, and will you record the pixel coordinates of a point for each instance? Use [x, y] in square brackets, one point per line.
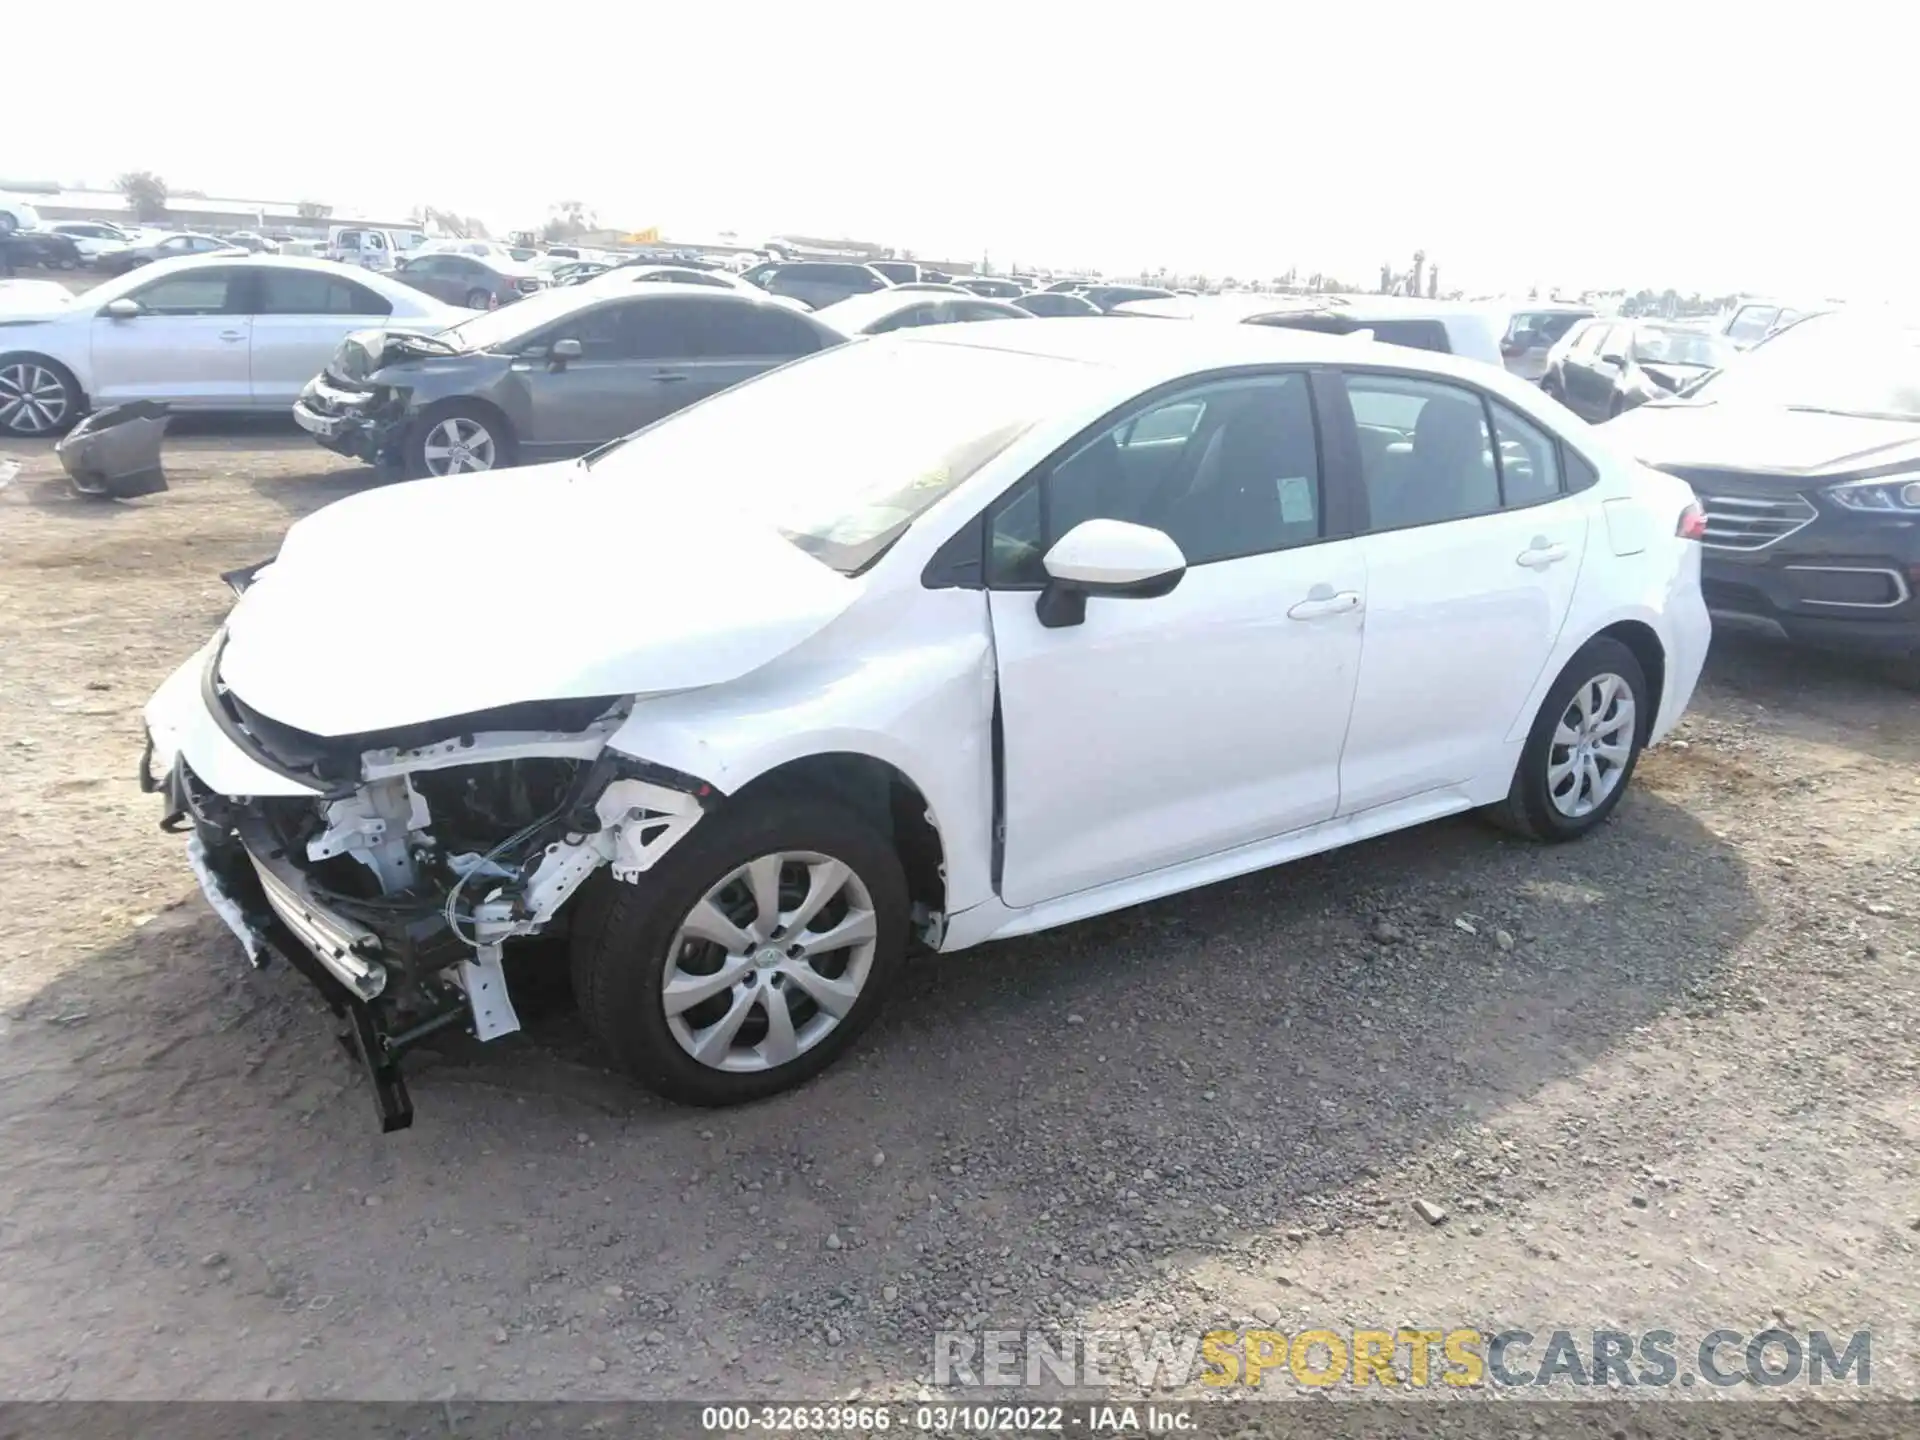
[720, 329]
[1426, 454]
[1529, 460]
[742, 329]
[305, 292]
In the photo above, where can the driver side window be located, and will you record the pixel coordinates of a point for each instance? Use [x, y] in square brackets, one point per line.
[197, 292]
[1229, 470]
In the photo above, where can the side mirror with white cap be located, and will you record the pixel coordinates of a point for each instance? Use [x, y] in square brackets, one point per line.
[1112, 559]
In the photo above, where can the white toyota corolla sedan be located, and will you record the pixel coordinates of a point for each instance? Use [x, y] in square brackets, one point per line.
[218, 332]
[925, 640]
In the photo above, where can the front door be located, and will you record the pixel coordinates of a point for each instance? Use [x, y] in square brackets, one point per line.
[189, 345]
[1158, 731]
[1473, 550]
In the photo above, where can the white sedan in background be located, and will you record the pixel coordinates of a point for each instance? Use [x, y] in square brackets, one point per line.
[219, 332]
[954, 634]
[622, 276]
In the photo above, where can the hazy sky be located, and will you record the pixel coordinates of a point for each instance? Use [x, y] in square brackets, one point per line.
[1703, 145]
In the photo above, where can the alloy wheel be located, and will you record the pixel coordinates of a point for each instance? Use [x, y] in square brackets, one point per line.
[1591, 746]
[458, 444]
[33, 399]
[770, 961]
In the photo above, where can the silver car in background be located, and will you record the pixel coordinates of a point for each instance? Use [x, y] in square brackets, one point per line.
[223, 332]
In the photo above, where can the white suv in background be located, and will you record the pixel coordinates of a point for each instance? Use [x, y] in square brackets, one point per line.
[371, 247]
[1533, 332]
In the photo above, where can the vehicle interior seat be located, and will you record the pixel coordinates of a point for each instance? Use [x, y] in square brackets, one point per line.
[1446, 473]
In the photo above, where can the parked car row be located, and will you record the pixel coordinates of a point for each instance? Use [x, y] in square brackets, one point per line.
[1805, 448]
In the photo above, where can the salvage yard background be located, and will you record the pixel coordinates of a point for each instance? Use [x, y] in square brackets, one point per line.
[1669, 1077]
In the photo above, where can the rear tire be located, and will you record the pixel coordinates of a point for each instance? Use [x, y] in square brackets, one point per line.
[631, 941]
[1555, 795]
[479, 300]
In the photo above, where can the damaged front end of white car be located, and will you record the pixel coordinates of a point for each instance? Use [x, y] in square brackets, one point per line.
[404, 861]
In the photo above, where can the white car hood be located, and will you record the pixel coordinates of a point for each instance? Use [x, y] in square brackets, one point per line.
[448, 596]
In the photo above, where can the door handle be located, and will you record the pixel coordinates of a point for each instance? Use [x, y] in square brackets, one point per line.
[233, 334]
[1541, 553]
[1322, 601]
[666, 376]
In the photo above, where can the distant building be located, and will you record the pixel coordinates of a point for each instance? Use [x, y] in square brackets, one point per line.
[185, 212]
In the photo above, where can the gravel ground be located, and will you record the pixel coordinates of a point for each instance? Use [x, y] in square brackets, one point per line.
[1666, 1078]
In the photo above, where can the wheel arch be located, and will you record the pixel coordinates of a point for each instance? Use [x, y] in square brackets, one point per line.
[1648, 649]
[879, 792]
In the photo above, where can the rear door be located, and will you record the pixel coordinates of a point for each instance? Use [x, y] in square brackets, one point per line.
[1472, 551]
[699, 347]
[299, 318]
[466, 281]
[423, 273]
[189, 345]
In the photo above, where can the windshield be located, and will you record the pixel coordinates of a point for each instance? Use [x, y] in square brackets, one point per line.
[1679, 347]
[1845, 364]
[841, 451]
[500, 329]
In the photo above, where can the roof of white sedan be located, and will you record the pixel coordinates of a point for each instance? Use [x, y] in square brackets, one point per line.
[385, 286]
[1151, 351]
[856, 312]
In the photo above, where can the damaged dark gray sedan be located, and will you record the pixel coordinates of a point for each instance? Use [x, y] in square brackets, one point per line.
[547, 379]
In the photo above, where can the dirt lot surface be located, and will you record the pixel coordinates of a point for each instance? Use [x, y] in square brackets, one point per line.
[1667, 1078]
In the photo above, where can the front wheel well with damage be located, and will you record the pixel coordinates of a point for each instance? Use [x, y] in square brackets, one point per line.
[879, 793]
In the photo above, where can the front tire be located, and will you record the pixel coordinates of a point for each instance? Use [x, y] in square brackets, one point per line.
[1583, 747]
[750, 956]
[459, 437]
[38, 397]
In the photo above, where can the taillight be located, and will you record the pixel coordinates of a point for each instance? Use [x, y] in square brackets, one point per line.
[1693, 523]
